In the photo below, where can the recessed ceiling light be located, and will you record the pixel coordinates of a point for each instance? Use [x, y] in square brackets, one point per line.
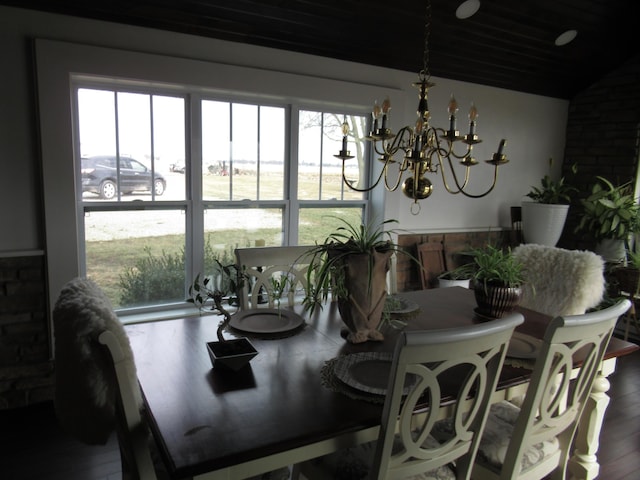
[566, 37]
[467, 9]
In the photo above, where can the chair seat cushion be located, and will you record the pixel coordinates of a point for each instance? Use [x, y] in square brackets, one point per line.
[354, 463]
[496, 437]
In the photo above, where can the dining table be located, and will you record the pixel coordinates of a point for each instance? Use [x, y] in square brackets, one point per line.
[287, 405]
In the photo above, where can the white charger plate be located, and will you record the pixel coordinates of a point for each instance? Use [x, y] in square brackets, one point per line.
[523, 346]
[266, 320]
[368, 372]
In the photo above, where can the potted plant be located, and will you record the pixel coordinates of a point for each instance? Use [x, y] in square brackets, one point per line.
[458, 277]
[233, 353]
[352, 265]
[497, 278]
[543, 217]
[611, 215]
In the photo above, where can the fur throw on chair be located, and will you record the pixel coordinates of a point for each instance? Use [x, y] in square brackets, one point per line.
[559, 281]
[86, 386]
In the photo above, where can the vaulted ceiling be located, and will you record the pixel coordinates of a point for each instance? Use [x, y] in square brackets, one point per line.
[507, 43]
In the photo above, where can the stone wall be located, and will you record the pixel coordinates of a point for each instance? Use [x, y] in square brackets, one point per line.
[602, 139]
[26, 368]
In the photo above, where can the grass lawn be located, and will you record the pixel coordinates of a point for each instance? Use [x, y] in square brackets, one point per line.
[108, 260]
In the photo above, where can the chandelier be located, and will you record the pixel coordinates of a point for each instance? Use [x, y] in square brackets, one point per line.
[425, 149]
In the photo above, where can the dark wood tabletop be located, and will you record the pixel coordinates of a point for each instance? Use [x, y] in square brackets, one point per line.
[205, 419]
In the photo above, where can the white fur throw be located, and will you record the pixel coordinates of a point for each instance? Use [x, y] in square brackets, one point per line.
[86, 386]
[559, 281]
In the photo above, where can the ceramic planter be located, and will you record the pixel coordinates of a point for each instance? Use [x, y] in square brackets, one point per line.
[445, 282]
[231, 354]
[362, 309]
[495, 301]
[611, 250]
[542, 223]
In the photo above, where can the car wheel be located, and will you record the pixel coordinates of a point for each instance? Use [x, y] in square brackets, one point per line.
[159, 187]
[108, 190]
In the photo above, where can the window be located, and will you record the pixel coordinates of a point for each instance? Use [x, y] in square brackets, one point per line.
[154, 82]
[161, 201]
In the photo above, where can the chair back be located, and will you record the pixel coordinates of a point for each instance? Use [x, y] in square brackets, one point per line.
[132, 433]
[431, 257]
[554, 402]
[421, 375]
[559, 281]
[262, 265]
[96, 387]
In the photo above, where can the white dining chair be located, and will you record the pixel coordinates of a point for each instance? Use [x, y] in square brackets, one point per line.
[97, 388]
[96, 384]
[420, 377]
[535, 441]
[262, 265]
[560, 281]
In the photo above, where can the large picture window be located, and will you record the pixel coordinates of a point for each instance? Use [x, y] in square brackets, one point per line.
[168, 184]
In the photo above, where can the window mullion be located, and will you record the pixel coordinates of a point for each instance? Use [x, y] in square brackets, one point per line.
[194, 248]
[291, 176]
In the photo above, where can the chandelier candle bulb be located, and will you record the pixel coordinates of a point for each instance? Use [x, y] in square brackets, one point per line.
[501, 147]
[453, 108]
[473, 114]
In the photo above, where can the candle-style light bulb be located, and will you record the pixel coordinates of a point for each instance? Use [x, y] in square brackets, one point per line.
[345, 132]
[473, 114]
[376, 112]
[453, 105]
[453, 108]
[386, 107]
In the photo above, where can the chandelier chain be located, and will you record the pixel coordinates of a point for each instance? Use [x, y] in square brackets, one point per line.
[425, 54]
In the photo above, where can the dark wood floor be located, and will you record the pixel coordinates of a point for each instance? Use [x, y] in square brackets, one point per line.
[32, 446]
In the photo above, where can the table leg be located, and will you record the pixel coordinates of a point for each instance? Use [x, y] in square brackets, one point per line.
[583, 464]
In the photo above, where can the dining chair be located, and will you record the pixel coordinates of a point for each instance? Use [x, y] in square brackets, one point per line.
[420, 389]
[264, 265]
[97, 388]
[535, 440]
[431, 257]
[96, 385]
[560, 281]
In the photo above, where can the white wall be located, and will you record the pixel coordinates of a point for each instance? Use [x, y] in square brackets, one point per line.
[534, 126]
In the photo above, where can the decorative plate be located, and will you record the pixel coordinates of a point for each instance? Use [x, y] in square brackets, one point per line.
[368, 372]
[397, 305]
[523, 346]
[266, 320]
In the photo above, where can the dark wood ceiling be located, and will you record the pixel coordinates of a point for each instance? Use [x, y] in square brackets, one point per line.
[508, 43]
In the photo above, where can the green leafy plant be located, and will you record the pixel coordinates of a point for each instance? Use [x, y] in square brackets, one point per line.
[494, 266]
[463, 272]
[325, 273]
[610, 212]
[552, 192]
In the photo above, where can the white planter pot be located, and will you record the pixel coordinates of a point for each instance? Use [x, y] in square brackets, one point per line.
[444, 283]
[542, 223]
[611, 250]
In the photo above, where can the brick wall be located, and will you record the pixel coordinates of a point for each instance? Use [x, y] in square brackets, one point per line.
[26, 370]
[602, 139]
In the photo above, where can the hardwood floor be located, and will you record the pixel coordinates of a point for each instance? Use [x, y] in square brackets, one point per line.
[33, 447]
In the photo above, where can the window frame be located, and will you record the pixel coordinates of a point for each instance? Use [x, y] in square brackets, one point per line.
[57, 62]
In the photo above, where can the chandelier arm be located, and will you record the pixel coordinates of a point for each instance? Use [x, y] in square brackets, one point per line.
[466, 179]
[495, 180]
[399, 179]
[460, 188]
[371, 187]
